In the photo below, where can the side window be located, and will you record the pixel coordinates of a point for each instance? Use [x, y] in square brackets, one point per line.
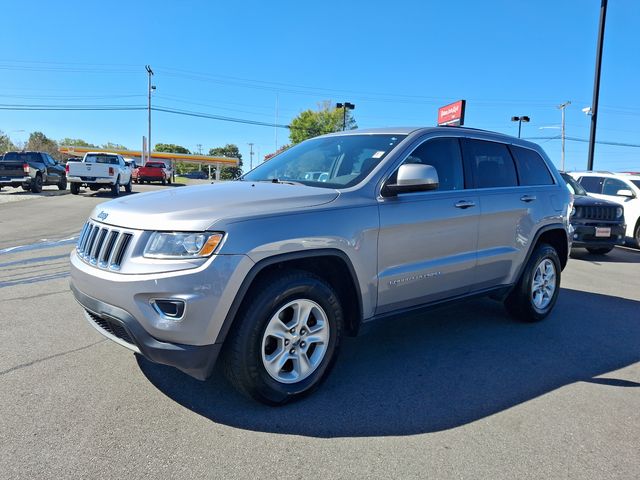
[612, 185]
[491, 163]
[592, 184]
[532, 169]
[443, 154]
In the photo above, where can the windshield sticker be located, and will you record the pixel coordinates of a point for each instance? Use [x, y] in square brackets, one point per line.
[378, 154]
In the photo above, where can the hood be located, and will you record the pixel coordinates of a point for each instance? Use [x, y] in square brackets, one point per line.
[589, 201]
[201, 207]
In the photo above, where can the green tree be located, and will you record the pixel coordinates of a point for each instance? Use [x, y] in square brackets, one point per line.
[113, 146]
[76, 142]
[326, 119]
[232, 151]
[6, 144]
[170, 148]
[39, 142]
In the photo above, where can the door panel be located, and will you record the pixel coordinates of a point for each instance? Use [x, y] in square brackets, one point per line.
[426, 248]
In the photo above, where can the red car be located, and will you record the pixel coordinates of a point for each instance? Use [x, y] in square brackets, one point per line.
[152, 172]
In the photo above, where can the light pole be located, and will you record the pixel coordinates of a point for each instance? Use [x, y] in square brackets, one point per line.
[562, 107]
[596, 85]
[151, 87]
[345, 106]
[522, 118]
[250, 156]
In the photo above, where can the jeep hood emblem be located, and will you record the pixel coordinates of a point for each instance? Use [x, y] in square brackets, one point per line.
[103, 215]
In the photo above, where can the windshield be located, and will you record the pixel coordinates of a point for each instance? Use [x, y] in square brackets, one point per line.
[328, 162]
[636, 183]
[573, 186]
[110, 159]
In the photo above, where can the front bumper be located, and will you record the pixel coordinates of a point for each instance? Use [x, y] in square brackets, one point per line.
[121, 307]
[120, 326]
[585, 235]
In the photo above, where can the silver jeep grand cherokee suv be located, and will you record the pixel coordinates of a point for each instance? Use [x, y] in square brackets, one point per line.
[271, 270]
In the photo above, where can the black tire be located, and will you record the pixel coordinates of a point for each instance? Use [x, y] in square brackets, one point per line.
[169, 180]
[599, 250]
[242, 357]
[62, 184]
[636, 235]
[520, 303]
[164, 181]
[115, 188]
[36, 184]
[75, 188]
[26, 188]
[127, 187]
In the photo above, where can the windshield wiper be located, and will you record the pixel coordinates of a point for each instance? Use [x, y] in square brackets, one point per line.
[277, 180]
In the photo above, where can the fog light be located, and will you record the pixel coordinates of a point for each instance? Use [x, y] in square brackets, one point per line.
[170, 308]
[575, 236]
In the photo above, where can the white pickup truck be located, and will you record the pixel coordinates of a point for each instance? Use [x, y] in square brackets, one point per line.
[99, 170]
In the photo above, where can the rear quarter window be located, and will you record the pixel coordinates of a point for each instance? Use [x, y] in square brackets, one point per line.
[491, 163]
[532, 169]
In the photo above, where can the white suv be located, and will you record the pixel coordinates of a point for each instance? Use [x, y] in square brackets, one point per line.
[623, 188]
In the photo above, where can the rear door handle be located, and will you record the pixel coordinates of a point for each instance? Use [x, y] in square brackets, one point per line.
[528, 198]
[464, 204]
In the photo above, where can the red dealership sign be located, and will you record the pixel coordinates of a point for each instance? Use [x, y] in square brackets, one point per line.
[452, 114]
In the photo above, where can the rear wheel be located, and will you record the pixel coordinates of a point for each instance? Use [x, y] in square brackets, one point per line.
[287, 339]
[636, 235]
[115, 188]
[127, 187]
[62, 184]
[36, 184]
[536, 293]
[75, 188]
[599, 250]
[164, 181]
[26, 187]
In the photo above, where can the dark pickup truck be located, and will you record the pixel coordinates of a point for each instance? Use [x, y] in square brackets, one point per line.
[31, 170]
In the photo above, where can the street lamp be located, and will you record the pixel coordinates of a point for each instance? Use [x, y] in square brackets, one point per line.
[520, 119]
[345, 106]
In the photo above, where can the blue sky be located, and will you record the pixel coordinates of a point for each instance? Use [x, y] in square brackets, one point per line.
[396, 61]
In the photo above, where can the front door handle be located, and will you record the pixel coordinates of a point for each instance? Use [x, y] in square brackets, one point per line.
[528, 198]
[464, 204]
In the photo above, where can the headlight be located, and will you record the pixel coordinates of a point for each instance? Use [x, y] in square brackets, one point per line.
[182, 245]
[573, 211]
[619, 212]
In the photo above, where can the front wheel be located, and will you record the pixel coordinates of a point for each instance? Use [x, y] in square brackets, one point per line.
[600, 250]
[536, 293]
[127, 187]
[287, 339]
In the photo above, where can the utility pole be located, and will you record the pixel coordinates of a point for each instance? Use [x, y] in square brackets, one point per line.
[199, 147]
[151, 87]
[596, 85]
[562, 107]
[250, 156]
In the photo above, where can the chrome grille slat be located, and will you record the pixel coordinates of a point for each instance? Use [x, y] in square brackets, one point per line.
[105, 255]
[89, 245]
[119, 253]
[97, 241]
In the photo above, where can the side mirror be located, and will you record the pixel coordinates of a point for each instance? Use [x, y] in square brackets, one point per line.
[412, 177]
[625, 193]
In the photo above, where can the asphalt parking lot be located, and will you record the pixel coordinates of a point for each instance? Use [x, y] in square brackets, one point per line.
[461, 393]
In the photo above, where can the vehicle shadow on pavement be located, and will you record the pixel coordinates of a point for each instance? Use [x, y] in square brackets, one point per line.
[617, 255]
[451, 367]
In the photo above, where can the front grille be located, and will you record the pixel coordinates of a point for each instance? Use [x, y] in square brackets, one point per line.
[112, 327]
[103, 246]
[596, 213]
